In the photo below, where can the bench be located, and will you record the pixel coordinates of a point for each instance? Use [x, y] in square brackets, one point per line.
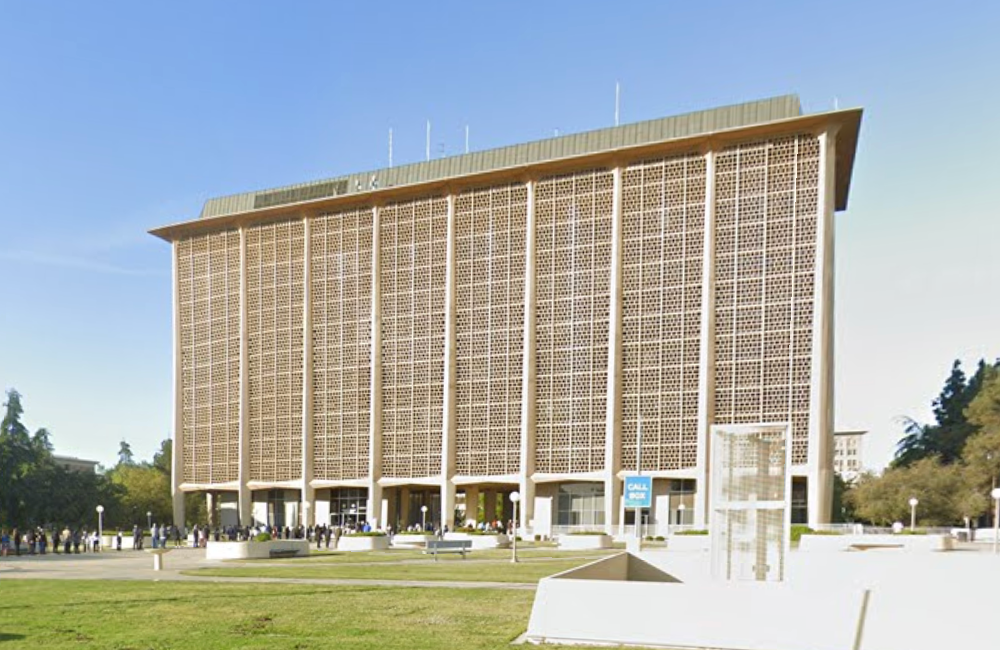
[435, 546]
[283, 552]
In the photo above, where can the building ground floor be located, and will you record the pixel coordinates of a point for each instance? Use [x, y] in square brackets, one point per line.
[544, 508]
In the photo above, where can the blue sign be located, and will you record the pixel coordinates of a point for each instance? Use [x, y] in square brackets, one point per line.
[638, 491]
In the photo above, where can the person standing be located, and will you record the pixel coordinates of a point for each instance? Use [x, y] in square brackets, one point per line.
[118, 539]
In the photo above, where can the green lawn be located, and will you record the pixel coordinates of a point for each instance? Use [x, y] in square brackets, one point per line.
[480, 566]
[403, 555]
[166, 615]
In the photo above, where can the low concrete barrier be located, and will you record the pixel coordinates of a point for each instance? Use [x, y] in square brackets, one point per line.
[110, 543]
[255, 550]
[363, 543]
[584, 542]
[615, 602]
[480, 542]
[688, 543]
[835, 543]
[408, 540]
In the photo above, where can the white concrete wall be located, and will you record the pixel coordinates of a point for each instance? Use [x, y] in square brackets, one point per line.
[254, 550]
[749, 616]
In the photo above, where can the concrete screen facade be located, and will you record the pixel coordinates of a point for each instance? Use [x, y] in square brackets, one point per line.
[444, 333]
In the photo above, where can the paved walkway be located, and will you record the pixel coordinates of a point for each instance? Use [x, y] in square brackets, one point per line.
[138, 565]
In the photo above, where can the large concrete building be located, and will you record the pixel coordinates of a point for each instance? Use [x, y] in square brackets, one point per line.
[442, 334]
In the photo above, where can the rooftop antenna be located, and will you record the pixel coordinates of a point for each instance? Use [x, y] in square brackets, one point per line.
[390, 147]
[428, 139]
[466, 138]
[618, 89]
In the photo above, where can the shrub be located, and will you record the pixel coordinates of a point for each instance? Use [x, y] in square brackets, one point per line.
[371, 533]
[660, 538]
[262, 537]
[588, 532]
[691, 532]
[798, 530]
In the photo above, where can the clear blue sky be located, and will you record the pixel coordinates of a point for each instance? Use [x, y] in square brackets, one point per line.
[117, 117]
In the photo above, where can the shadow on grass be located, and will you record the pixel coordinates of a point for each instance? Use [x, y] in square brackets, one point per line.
[10, 637]
[208, 597]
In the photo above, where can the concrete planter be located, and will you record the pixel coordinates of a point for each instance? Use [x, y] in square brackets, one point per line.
[688, 543]
[254, 550]
[410, 541]
[584, 542]
[363, 543]
[836, 543]
[108, 542]
[481, 542]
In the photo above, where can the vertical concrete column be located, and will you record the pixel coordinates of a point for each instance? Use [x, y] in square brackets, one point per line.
[706, 351]
[490, 505]
[307, 510]
[820, 456]
[450, 368]
[613, 429]
[471, 505]
[526, 485]
[177, 457]
[404, 505]
[210, 502]
[245, 497]
[375, 409]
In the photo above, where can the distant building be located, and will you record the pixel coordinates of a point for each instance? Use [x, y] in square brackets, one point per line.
[390, 346]
[847, 458]
[76, 464]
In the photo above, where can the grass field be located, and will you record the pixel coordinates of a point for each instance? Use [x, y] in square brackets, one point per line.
[471, 570]
[167, 615]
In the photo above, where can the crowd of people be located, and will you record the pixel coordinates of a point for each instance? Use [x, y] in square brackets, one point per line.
[41, 540]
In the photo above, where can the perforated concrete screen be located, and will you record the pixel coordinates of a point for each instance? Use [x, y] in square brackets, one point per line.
[765, 257]
[275, 292]
[663, 215]
[490, 232]
[573, 269]
[413, 248]
[341, 305]
[751, 501]
[702, 263]
[208, 303]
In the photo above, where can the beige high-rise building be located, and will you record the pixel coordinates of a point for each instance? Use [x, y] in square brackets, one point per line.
[442, 334]
[848, 459]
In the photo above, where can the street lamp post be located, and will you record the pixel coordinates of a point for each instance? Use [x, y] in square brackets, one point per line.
[995, 493]
[423, 518]
[100, 527]
[913, 513]
[514, 498]
[149, 519]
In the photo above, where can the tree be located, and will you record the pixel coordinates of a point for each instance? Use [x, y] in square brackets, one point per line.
[164, 457]
[17, 458]
[946, 494]
[142, 489]
[125, 456]
[984, 409]
[947, 437]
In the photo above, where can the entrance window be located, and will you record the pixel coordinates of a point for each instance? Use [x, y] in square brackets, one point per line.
[682, 491]
[580, 504]
[348, 506]
[276, 508]
[800, 500]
